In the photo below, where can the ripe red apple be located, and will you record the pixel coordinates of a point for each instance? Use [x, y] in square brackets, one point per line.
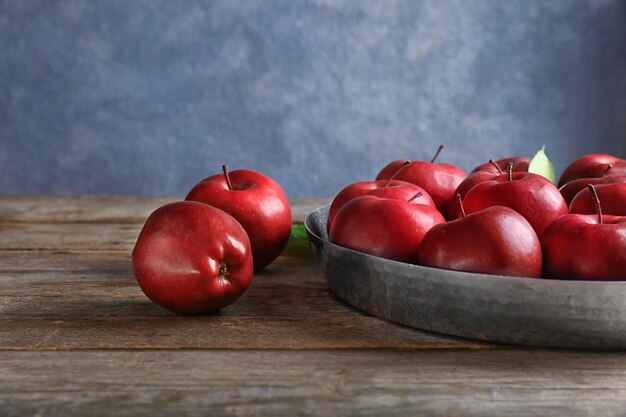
[192, 258]
[569, 190]
[612, 196]
[590, 166]
[468, 183]
[384, 227]
[399, 190]
[439, 180]
[257, 202]
[531, 195]
[495, 240]
[586, 247]
[520, 164]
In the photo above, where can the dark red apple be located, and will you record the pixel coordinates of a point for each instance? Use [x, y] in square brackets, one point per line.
[257, 202]
[439, 180]
[590, 166]
[496, 240]
[569, 190]
[468, 183]
[531, 195]
[192, 258]
[399, 190]
[384, 227]
[586, 247]
[520, 164]
[612, 196]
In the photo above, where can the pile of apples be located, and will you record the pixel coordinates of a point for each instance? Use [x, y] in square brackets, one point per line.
[199, 255]
[501, 219]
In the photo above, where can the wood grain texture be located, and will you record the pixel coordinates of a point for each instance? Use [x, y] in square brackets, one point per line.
[78, 337]
[90, 300]
[99, 209]
[286, 383]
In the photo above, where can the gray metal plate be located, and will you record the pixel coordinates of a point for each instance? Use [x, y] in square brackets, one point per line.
[522, 311]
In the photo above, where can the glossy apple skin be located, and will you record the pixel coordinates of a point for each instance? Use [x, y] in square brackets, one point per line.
[383, 227]
[178, 255]
[398, 190]
[467, 184]
[611, 196]
[531, 195]
[569, 190]
[258, 203]
[588, 166]
[496, 240]
[439, 180]
[577, 247]
[520, 164]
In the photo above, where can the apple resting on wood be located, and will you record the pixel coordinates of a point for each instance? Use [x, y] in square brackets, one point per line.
[439, 180]
[192, 258]
[384, 227]
[257, 202]
[586, 247]
[495, 240]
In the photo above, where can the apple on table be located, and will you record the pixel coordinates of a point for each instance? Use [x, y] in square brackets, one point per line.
[192, 258]
[257, 202]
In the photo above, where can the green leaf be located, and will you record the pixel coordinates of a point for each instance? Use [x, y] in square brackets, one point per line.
[298, 232]
[541, 165]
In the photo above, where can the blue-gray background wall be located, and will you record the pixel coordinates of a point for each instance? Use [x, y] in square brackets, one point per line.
[149, 96]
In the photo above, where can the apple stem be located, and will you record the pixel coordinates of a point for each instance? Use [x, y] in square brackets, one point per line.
[596, 201]
[400, 168]
[418, 195]
[437, 154]
[608, 168]
[492, 162]
[459, 203]
[509, 170]
[225, 170]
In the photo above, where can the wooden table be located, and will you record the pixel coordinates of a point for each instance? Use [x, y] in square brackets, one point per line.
[78, 337]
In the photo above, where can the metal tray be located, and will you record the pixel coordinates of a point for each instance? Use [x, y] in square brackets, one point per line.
[521, 311]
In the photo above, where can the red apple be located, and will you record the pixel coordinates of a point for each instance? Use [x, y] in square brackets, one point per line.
[569, 190]
[192, 258]
[495, 240]
[468, 183]
[384, 227]
[520, 164]
[439, 180]
[613, 197]
[590, 166]
[257, 202]
[399, 190]
[586, 247]
[531, 195]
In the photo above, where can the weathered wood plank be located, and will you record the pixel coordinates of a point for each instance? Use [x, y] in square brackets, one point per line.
[91, 300]
[103, 209]
[92, 274]
[68, 236]
[217, 332]
[287, 383]
[97, 209]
